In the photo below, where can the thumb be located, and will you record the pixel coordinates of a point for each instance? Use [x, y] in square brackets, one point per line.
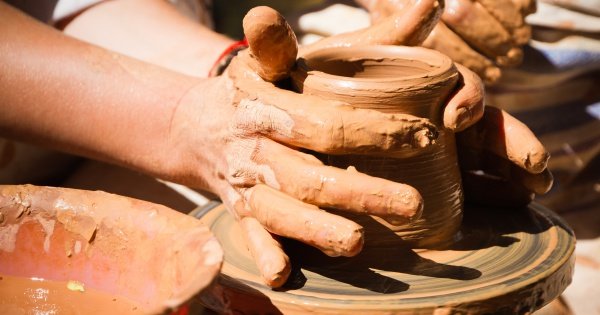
[273, 46]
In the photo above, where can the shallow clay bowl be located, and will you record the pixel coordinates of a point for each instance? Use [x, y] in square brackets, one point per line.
[147, 253]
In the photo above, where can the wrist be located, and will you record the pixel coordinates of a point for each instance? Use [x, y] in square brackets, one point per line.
[224, 59]
[191, 154]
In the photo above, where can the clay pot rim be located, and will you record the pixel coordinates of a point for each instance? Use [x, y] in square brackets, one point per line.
[444, 66]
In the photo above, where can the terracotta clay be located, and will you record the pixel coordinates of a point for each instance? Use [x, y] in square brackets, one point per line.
[504, 264]
[399, 80]
[479, 28]
[19, 296]
[400, 23]
[445, 40]
[526, 6]
[508, 14]
[511, 143]
[273, 44]
[148, 254]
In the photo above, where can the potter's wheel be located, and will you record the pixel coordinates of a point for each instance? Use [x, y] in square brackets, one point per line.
[510, 261]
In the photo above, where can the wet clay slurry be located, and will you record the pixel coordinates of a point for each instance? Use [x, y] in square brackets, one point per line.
[399, 80]
[21, 296]
[510, 261]
[147, 253]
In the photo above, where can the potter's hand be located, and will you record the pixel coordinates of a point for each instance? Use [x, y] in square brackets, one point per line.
[404, 25]
[274, 189]
[502, 162]
[480, 34]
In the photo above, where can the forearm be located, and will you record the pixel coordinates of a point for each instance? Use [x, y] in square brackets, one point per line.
[62, 93]
[152, 31]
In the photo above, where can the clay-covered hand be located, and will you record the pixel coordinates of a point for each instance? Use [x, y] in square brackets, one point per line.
[252, 137]
[502, 162]
[480, 34]
[399, 22]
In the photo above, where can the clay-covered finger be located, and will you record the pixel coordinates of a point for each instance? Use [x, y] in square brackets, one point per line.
[539, 183]
[326, 126]
[471, 21]
[510, 16]
[408, 26]
[507, 137]
[485, 162]
[446, 41]
[271, 260]
[380, 9]
[273, 45]
[283, 215]
[304, 177]
[465, 106]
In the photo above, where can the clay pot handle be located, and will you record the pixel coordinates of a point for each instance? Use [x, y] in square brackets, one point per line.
[273, 45]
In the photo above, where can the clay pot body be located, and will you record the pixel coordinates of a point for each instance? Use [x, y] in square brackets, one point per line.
[119, 248]
[396, 79]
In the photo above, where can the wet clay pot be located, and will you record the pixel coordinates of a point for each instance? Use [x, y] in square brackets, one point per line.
[122, 255]
[396, 79]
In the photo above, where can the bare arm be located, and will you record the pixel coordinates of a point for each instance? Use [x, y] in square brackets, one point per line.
[59, 92]
[152, 31]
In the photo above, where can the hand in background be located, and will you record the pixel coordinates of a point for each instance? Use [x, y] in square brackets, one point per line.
[483, 35]
[502, 161]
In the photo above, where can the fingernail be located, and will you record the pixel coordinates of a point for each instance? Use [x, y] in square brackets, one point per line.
[536, 161]
[463, 117]
[405, 206]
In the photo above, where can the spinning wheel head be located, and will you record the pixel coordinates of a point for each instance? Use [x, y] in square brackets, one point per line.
[505, 263]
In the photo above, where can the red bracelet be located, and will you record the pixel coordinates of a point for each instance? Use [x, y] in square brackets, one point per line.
[225, 58]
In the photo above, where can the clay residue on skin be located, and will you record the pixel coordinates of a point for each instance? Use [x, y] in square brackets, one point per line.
[480, 29]
[245, 169]
[507, 137]
[408, 25]
[273, 263]
[332, 234]
[252, 112]
[526, 6]
[273, 44]
[309, 180]
[445, 40]
[509, 15]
